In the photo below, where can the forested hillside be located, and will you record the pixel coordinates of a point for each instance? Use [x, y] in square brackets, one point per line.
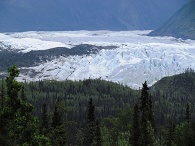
[97, 112]
[173, 93]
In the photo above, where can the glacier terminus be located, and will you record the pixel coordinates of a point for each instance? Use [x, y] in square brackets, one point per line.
[126, 57]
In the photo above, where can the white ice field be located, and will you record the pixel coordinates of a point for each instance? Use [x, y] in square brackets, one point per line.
[135, 58]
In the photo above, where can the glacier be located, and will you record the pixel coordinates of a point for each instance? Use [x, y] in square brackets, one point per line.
[134, 58]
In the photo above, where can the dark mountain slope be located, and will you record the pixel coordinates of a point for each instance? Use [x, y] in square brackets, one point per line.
[171, 95]
[181, 25]
[26, 15]
[31, 58]
[181, 85]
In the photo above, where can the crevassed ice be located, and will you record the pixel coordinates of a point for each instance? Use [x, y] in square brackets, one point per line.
[137, 57]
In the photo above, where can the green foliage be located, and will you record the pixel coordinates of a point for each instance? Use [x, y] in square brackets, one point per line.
[187, 114]
[182, 84]
[150, 112]
[2, 94]
[170, 134]
[90, 129]
[147, 117]
[68, 111]
[124, 118]
[57, 132]
[58, 135]
[40, 140]
[110, 129]
[117, 129]
[136, 131]
[98, 135]
[108, 97]
[18, 125]
[184, 135]
[150, 137]
[171, 95]
[57, 115]
[44, 119]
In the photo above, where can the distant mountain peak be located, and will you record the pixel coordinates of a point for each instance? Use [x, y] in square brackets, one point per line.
[181, 25]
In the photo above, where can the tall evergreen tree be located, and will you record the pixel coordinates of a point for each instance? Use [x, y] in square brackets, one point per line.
[136, 133]
[90, 131]
[98, 135]
[58, 132]
[57, 115]
[13, 87]
[150, 138]
[187, 114]
[18, 126]
[2, 94]
[147, 121]
[144, 97]
[44, 119]
[150, 112]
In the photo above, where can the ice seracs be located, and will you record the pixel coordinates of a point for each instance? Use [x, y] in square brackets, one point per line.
[135, 58]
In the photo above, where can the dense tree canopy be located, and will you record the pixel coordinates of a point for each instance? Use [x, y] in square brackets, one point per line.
[95, 113]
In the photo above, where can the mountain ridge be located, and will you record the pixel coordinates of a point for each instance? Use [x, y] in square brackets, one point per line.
[29, 15]
[180, 25]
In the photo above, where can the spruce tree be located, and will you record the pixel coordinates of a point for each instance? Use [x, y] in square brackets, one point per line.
[150, 112]
[57, 115]
[144, 97]
[147, 119]
[90, 130]
[2, 94]
[136, 133]
[98, 135]
[18, 126]
[13, 87]
[187, 114]
[58, 132]
[150, 138]
[44, 119]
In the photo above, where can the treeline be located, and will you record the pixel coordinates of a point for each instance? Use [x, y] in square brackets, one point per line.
[92, 113]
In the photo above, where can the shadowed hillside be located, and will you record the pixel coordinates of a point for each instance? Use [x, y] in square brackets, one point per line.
[181, 25]
[26, 15]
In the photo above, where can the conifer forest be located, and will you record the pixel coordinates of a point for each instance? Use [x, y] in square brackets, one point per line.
[95, 112]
